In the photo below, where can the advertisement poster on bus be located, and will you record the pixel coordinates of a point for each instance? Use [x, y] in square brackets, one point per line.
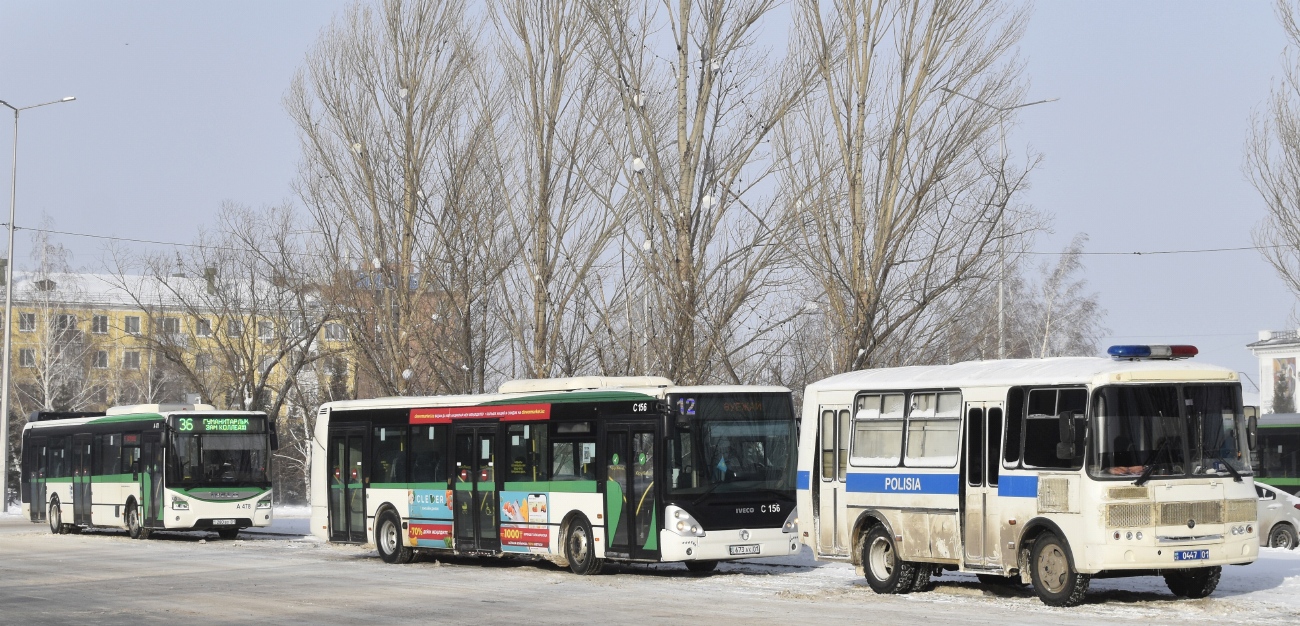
[429, 504]
[524, 522]
[1284, 381]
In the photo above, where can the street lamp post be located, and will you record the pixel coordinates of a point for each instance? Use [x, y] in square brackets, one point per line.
[1002, 156]
[9, 292]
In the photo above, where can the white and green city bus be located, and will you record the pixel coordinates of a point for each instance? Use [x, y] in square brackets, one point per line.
[146, 468]
[575, 470]
[1047, 472]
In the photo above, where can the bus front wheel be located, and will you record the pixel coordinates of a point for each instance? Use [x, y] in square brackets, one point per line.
[580, 549]
[885, 571]
[133, 526]
[1194, 583]
[57, 526]
[228, 533]
[701, 567]
[388, 540]
[1056, 581]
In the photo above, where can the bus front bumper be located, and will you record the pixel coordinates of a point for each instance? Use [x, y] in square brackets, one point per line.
[1116, 556]
[721, 545]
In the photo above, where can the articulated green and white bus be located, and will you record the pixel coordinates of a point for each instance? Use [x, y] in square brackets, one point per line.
[145, 468]
[574, 470]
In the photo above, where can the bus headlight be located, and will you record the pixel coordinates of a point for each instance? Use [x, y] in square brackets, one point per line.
[791, 524]
[180, 504]
[681, 522]
[264, 503]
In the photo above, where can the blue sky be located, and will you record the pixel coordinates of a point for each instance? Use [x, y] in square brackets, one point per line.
[179, 109]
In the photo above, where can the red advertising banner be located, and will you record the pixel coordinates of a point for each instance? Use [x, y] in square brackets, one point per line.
[526, 537]
[429, 532]
[503, 412]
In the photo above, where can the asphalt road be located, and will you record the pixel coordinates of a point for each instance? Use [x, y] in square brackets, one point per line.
[105, 577]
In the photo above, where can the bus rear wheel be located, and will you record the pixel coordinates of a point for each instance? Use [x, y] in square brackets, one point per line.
[1193, 583]
[580, 549]
[1056, 581]
[885, 571]
[388, 540]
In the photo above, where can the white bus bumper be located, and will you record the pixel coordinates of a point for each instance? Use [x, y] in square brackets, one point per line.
[719, 545]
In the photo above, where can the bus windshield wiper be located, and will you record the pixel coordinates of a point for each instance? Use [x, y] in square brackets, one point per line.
[1151, 467]
[1236, 476]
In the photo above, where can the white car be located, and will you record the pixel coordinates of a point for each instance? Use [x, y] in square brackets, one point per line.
[1279, 517]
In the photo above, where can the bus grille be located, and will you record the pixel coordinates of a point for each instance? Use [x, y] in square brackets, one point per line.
[1239, 511]
[1054, 495]
[1179, 513]
[1129, 493]
[1128, 515]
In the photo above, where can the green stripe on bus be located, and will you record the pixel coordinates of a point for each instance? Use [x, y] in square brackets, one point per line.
[1279, 482]
[113, 478]
[554, 486]
[113, 419]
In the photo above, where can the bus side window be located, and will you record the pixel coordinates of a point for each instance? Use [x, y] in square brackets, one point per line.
[525, 447]
[427, 462]
[828, 445]
[1042, 429]
[389, 458]
[58, 452]
[1015, 423]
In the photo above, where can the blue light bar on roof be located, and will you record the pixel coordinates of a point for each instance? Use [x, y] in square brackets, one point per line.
[1152, 352]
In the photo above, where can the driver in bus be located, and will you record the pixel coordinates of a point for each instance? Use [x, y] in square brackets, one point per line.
[1123, 458]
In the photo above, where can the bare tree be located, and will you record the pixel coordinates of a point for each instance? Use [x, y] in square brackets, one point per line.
[1273, 159]
[902, 211]
[1060, 317]
[394, 125]
[550, 151]
[699, 100]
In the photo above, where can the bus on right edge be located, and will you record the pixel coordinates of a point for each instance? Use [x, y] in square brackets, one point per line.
[1048, 472]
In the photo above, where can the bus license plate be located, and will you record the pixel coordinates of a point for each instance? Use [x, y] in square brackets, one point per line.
[223, 522]
[745, 549]
[1191, 555]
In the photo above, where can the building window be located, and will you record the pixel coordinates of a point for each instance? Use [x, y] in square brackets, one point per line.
[100, 360]
[99, 324]
[203, 362]
[203, 327]
[131, 360]
[131, 324]
[334, 332]
[26, 322]
[64, 321]
[267, 363]
[265, 330]
[234, 328]
[171, 325]
[27, 357]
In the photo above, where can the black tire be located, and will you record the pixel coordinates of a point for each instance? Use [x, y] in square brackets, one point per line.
[885, 572]
[1193, 583]
[701, 567]
[580, 549]
[57, 527]
[993, 580]
[1282, 536]
[227, 533]
[922, 581]
[389, 540]
[1056, 581]
[133, 526]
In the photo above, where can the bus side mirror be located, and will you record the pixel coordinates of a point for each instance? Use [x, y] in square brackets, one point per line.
[1065, 448]
[135, 469]
[275, 441]
[1252, 432]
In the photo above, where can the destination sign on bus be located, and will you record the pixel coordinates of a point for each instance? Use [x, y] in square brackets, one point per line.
[229, 424]
[503, 412]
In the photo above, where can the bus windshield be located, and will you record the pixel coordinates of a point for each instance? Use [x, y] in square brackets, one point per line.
[1178, 430]
[731, 443]
[219, 460]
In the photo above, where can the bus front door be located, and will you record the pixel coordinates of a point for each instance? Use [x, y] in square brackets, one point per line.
[475, 495]
[347, 501]
[151, 479]
[833, 436]
[981, 459]
[37, 451]
[631, 507]
[81, 479]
